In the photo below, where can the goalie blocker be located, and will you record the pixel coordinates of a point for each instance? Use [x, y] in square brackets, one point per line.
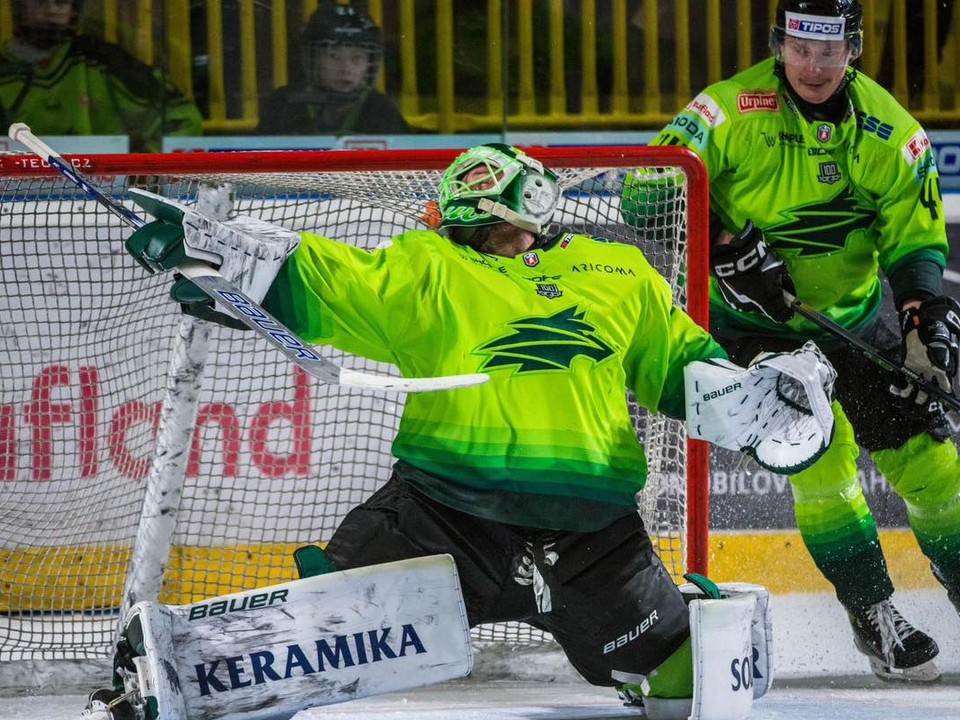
[268, 653]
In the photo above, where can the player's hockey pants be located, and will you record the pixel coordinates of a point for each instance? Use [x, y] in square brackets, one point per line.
[604, 595]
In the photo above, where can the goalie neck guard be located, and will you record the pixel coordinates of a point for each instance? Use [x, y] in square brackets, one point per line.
[496, 183]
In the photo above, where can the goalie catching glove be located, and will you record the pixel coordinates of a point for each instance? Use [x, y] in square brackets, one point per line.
[777, 410]
[752, 277]
[931, 345]
[248, 252]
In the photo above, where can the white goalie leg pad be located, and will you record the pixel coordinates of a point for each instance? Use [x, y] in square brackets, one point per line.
[732, 648]
[761, 634]
[266, 654]
[247, 251]
[777, 410]
[722, 646]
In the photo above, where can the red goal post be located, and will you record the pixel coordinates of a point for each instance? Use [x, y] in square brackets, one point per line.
[88, 374]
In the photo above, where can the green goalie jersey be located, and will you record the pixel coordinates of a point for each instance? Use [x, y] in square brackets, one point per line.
[838, 202]
[562, 331]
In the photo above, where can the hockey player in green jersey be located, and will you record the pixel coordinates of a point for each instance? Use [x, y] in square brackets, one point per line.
[820, 181]
[63, 83]
[530, 480]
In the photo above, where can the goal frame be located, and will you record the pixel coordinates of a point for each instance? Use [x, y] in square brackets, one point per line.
[697, 222]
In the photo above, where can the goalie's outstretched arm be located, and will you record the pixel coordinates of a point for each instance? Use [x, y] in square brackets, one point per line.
[198, 269]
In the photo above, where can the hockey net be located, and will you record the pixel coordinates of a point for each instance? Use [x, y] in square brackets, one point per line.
[275, 458]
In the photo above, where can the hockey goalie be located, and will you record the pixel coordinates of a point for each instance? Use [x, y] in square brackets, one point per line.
[514, 499]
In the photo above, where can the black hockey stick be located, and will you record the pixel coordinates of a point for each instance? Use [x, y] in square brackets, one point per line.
[247, 310]
[914, 378]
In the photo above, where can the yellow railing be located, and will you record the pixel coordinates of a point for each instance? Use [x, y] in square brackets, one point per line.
[488, 65]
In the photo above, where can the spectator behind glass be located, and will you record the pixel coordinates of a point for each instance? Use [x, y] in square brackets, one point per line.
[341, 51]
[61, 82]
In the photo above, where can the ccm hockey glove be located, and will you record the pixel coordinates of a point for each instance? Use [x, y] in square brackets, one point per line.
[751, 276]
[931, 344]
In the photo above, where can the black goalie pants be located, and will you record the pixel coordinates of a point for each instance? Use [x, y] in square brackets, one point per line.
[604, 595]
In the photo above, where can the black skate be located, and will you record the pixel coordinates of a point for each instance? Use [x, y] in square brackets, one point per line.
[953, 589]
[630, 695]
[109, 705]
[897, 651]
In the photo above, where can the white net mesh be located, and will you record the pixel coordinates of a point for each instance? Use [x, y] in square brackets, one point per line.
[277, 458]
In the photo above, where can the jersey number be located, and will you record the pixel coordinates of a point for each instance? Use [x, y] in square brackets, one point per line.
[930, 196]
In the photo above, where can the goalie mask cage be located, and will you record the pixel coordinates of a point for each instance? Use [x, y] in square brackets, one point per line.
[144, 452]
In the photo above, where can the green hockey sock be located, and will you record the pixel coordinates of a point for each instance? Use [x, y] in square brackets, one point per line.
[673, 678]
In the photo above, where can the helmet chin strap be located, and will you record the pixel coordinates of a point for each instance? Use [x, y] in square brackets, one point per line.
[476, 236]
[502, 211]
[833, 109]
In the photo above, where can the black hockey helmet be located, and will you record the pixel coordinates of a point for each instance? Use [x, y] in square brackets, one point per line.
[819, 20]
[45, 35]
[340, 24]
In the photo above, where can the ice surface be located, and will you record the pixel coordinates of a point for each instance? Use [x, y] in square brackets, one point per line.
[853, 698]
[819, 676]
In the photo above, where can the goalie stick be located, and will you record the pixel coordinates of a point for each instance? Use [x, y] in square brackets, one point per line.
[244, 308]
[931, 388]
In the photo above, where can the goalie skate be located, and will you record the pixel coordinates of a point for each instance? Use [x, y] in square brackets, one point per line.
[897, 651]
[110, 705]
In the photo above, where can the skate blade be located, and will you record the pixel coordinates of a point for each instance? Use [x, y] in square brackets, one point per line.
[927, 672]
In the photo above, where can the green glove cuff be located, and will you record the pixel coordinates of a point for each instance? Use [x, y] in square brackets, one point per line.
[195, 302]
[157, 246]
[186, 292]
[311, 560]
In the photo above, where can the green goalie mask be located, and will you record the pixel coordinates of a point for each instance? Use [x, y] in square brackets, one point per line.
[496, 183]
